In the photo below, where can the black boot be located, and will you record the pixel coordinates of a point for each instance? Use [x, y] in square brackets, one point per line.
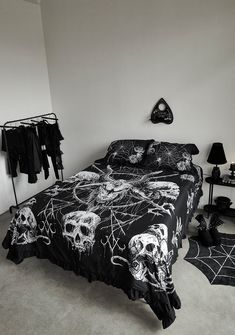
[215, 236]
[215, 221]
[202, 222]
[205, 238]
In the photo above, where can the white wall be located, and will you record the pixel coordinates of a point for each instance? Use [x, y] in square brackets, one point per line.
[24, 86]
[111, 60]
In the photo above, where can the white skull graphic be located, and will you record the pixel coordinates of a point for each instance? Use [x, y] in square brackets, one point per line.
[148, 247]
[23, 226]
[79, 229]
[112, 190]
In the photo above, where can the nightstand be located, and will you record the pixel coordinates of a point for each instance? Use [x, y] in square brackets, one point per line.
[210, 208]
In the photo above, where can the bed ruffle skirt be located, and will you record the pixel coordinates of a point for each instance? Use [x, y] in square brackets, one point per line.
[162, 304]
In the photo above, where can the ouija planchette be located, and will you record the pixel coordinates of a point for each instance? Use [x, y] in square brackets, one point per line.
[161, 112]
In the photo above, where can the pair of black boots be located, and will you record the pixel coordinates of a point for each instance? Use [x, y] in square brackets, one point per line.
[207, 231]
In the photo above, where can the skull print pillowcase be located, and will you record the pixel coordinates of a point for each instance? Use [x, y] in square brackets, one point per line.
[173, 156]
[127, 152]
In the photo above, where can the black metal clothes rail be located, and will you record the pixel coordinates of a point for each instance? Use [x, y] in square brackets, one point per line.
[49, 116]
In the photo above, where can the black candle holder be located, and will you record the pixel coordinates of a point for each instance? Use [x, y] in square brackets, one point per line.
[232, 169]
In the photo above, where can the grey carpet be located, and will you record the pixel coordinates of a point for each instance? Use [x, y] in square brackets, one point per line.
[39, 298]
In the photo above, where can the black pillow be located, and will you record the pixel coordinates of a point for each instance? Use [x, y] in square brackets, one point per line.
[127, 152]
[172, 156]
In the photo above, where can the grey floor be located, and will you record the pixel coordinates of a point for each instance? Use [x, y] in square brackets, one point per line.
[37, 297]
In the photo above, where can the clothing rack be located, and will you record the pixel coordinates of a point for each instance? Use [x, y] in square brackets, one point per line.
[49, 116]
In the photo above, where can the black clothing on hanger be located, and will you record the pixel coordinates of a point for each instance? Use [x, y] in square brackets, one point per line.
[15, 145]
[30, 146]
[41, 136]
[31, 158]
[50, 136]
[18, 143]
[23, 148]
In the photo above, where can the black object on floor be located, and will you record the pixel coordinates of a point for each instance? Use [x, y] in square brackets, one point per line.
[207, 231]
[205, 238]
[217, 263]
[215, 236]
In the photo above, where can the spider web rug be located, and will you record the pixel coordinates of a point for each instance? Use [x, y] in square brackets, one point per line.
[217, 263]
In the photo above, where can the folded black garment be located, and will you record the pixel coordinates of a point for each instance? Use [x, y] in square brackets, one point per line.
[50, 137]
[31, 159]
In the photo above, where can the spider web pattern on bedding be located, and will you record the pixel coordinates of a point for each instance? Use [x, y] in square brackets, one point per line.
[120, 150]
[127, 205]
[170, 154]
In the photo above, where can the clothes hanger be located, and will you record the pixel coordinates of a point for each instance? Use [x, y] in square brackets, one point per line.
[49, 118]
[28, 124]
[7, 127]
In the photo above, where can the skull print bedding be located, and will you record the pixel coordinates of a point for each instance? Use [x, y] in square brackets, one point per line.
[120, 224]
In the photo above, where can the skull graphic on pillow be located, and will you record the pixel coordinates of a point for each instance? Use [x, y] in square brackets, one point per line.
[79, 229]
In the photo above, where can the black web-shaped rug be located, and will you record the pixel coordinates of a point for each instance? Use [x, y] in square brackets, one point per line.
[216, 262]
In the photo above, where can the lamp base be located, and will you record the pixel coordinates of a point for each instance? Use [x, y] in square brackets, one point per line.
[232, 175]
[215, 173]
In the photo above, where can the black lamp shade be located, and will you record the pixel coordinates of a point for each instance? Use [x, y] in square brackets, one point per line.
[217, 155]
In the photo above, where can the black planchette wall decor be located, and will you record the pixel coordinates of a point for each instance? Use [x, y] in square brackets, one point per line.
[162, 113]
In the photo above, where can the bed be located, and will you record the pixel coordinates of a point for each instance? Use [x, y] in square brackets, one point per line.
[120, 221]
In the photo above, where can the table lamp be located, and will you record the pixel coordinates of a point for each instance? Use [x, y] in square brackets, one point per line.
[216, 157]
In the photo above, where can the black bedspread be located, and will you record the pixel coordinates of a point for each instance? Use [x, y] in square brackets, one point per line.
[119, 224]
